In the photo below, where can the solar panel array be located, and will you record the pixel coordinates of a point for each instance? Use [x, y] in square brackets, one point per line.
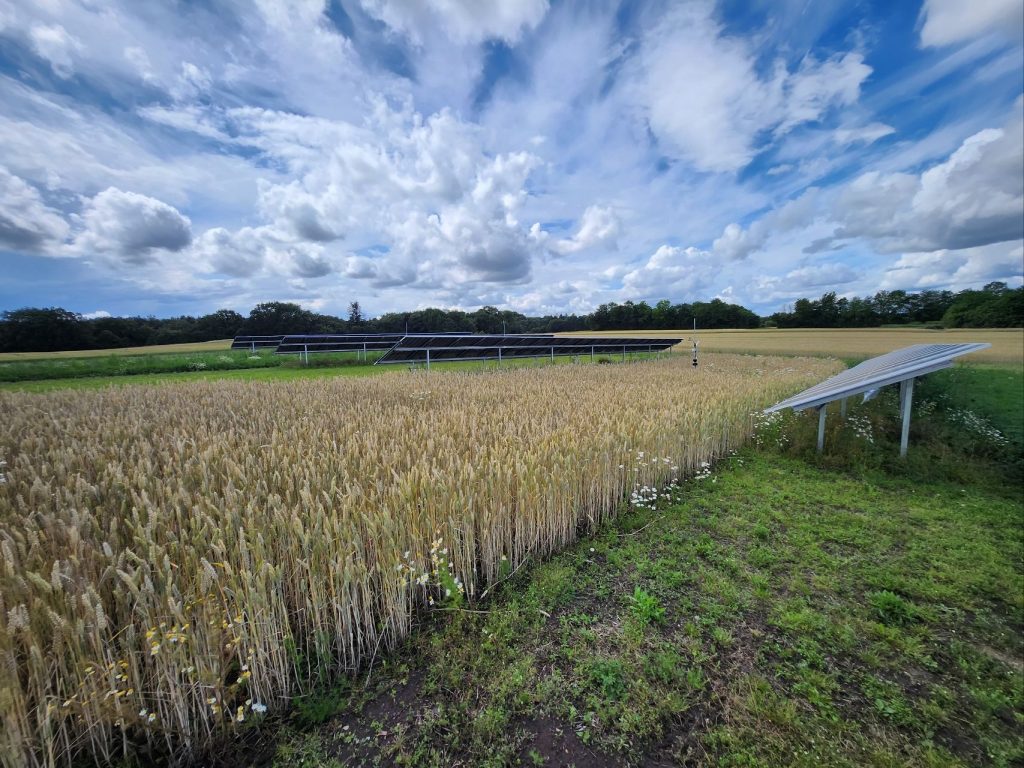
[878, 372]
[341, 342]
[427, 348]
[256, 342]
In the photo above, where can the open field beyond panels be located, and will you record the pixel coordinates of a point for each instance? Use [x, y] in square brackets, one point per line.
[177, 560]
[220, 345]
[851, 343]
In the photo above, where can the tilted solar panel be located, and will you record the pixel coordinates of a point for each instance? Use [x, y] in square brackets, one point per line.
[891, 368]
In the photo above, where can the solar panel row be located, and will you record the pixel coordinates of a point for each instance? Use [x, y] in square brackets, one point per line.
[348, 342]
[427, 349]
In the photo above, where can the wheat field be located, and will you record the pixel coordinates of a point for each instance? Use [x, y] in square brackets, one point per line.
[177, 560]
[1007, 343]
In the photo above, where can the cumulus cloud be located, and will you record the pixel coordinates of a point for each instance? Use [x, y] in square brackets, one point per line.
[953, 21]
[737, 243]
[130, 227]
[97, 315]
[445, 210]
[671, 270]
[598, 225]
[969, 267]
[53, 43]
[26, 222]
[465, 21]
[707, 102]
[974, 198]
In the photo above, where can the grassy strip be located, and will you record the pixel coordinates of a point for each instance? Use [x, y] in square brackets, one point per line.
[783, 609]
[155, 349]
[275, 368]
[128, 365]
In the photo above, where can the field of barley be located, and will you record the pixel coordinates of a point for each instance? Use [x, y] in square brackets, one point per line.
[177, 560]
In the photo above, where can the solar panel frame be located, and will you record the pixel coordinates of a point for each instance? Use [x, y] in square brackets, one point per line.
[892, 368]
[256, 342]
[299, 344]
[427, 348]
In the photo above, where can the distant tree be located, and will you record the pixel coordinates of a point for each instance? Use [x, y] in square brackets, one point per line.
[274, 317]
[355, 315]
[41, 330]
[222, 324]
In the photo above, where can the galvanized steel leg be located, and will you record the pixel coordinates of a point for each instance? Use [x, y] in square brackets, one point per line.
[821, 428]
[906, 398]
[428, 359]
[842, 408]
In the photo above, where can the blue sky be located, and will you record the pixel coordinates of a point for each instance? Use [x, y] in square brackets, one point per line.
[539, 156]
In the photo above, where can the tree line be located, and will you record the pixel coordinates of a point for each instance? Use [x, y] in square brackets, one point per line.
[54, 329]
[994, 306]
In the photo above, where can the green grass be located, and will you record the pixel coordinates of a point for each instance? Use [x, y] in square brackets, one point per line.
[86, 373]
[219, 345]
[846, 609]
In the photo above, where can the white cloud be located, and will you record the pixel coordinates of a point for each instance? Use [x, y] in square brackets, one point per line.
[862, 134]
[954, 21]
[53, 43]
[26, 222]
[598, 225]
[671, 271]
[464, 21]
[96, 315]
[827, 276]
[737, 243]
[956, 270]
[445, 210]
[974, 198]
[707, 102]
[130, 227]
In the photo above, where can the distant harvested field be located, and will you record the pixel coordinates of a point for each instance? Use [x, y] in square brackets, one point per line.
[156, 349]
[1007, 343]
[177, 560]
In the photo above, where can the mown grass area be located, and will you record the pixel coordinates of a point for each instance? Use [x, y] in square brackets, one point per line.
[90, 373]
[219, 345]
[783, 608]
[118, 366]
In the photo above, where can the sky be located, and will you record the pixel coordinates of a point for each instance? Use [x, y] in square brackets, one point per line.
[167, 158]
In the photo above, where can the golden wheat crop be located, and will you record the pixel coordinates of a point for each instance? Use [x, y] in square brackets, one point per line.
[175, 560]
[1007, 343]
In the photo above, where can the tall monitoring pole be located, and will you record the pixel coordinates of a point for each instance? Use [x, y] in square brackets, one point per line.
[695, 343]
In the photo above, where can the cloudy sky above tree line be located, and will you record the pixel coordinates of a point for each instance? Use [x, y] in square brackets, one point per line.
[168, 158]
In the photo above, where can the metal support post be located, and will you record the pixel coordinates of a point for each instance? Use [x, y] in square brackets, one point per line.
[906, 398]
[623, 353]
[499, 355]
[591, 354]
[842, 408]
[428, 359]
[552, 354]
[821, 427]
[305, 353]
